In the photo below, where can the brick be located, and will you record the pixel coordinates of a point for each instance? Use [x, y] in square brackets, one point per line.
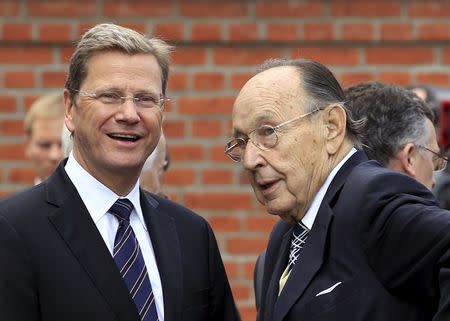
[401, 56]
[205, 105]
[169, 31]
[209, 81]
[206, 32]
[65, 54]
[260, 223]
[446, 55]
[8, 104]
[248, 313]
[231, 268]
[12, 152]
[243, 177]
[206, 128]
[243, 56]
[398, 78]
[21, 175]
[365, 8]
[442, 79]
[218, 154]
[181, 177]
[189, 56]
[186, 152]
[124, 8]
[282, 32]
[396, 31]
[178, 81]
[239, 80]
[26, 55]
[318, 31]
[290, 9]
[173, 129]
[241, 292]
[249, 269]
[54, 32]
[11, 127]
[213, 9]
[243, 32]
[246, 245]
[218, 201]
[139, 27]
[28, 100]
[217, 176]
[65, 8]
[336, 56]
[434, 8]
[83, 27]
[19, 79]
[438, 31]
[9, 8]
[354, 31]
[225, 223]
[354, 78]
[16, 31]
[54, 79]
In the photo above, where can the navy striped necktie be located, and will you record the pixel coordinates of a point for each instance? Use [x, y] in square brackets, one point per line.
[128, 257]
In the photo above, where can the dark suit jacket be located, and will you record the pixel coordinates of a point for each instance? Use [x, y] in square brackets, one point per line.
[379, 233]
[55, 265]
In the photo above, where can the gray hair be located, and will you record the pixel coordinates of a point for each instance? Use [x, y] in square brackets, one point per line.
[109, 36]
[322, 88]
[394, 116]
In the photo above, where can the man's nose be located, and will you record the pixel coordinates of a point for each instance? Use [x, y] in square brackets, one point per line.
[251, 156]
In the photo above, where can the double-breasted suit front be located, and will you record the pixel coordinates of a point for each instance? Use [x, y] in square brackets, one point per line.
[379, 250]
[55, 265]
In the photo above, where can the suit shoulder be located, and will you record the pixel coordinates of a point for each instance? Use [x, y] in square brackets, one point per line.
[24, 200]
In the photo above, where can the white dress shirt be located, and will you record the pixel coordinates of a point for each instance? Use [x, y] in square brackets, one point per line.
[98, 199]
[311, 214]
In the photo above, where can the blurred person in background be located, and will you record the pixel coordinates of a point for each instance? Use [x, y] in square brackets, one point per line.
[399, 131]
[43, 124]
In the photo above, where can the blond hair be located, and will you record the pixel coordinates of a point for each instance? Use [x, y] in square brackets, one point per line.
[48, 106]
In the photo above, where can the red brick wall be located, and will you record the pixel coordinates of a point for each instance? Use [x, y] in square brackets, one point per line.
[218, 45]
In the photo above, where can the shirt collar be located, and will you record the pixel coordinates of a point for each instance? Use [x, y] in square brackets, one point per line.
[311, 214]
[98, 198]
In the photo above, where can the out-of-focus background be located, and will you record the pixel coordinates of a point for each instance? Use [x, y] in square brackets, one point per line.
[218, 44]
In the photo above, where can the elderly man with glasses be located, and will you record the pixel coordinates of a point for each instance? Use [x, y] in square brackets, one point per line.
[356, 241]
[399, 131]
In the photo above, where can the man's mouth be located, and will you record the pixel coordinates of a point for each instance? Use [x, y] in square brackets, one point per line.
[124, 137]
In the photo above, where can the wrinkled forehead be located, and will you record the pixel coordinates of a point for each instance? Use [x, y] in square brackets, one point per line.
[272, 96]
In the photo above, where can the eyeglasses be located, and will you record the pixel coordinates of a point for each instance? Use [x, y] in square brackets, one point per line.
[143, 100]
[439, 160]
[263, 137]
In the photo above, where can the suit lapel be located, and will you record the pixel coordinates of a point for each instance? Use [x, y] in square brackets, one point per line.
[74, 224]
[166, 245]
[312, 255]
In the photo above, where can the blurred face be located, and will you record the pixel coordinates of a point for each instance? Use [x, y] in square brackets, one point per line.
[286, 177]
[44, 145]
[112, 142]
[152, 178]
[424, 160]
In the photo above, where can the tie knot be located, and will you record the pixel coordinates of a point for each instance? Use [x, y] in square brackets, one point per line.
[122, 209]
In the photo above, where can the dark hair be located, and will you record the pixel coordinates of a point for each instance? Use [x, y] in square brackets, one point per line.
[394, 116]
[322, 89]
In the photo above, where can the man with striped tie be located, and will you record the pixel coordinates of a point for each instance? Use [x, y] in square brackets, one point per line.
[89, 244]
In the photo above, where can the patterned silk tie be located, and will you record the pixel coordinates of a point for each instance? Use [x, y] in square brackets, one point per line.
[128, 257]
[299, 235]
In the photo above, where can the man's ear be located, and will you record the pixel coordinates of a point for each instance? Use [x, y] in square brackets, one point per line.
[407, 159]
[68, 109]
[335, 121]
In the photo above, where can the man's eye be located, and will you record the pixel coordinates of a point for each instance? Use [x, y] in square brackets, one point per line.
[108, 97]
[265, 131]
[146, 99]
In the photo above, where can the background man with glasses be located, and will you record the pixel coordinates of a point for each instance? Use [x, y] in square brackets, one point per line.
[89, 244]
[356, 241]
[399, 131]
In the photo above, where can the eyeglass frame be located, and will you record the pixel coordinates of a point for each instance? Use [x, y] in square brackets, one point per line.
[439, 155]
[244, 141]
[121, 99]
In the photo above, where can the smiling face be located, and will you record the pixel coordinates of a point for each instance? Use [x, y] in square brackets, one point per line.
[286, 177]
[113, 142]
